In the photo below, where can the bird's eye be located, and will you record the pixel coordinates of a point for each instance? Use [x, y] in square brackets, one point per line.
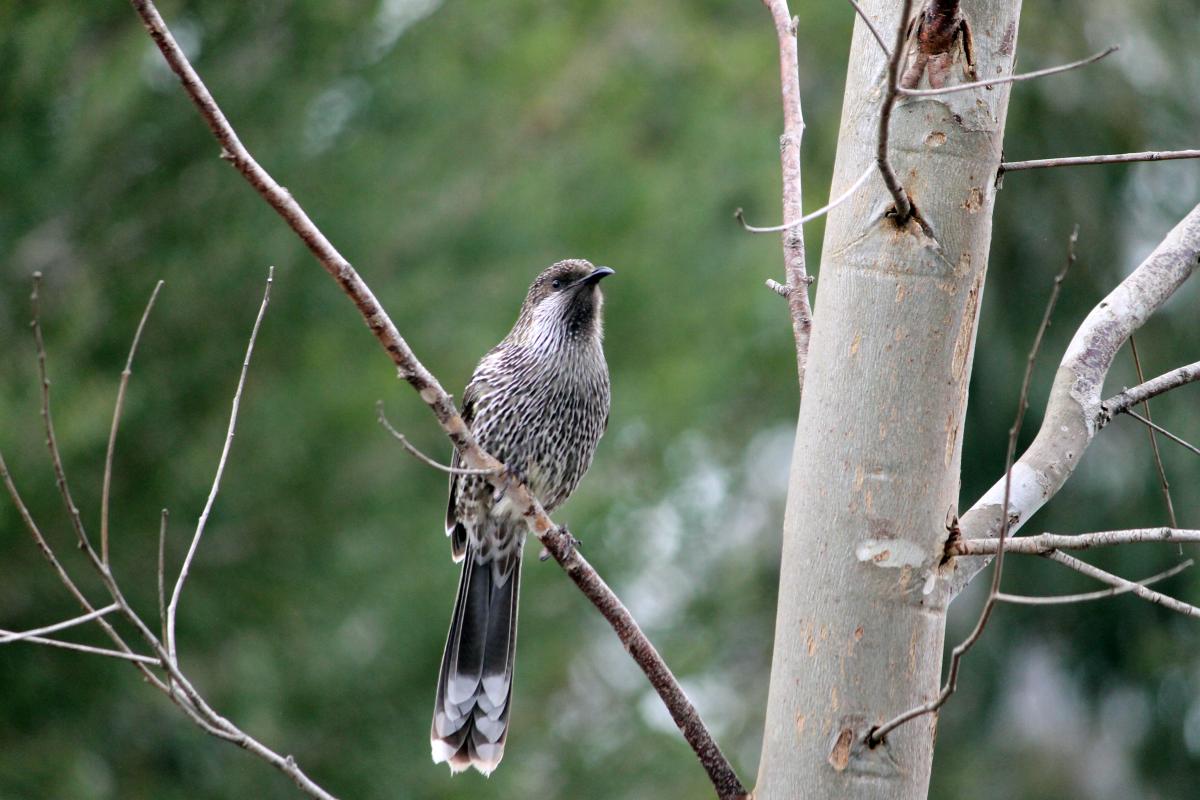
[557, 284]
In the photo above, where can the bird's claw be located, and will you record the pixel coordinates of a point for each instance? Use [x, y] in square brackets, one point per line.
[511, 475]
[572, 544]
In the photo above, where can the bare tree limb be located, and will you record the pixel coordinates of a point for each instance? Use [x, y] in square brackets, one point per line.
[84, 648]
[1025, 76]
[904, 206]
[112, 434]
[1156, 427]
[173, 605]
[556, 540]
[1115, 158]
[417, 454]
[1084, 597]
[1118, 582]
[1045, 542]
[795, 269]
[162, 561]
[877, 734]
[6, 637]
[1074, 411]
[820, 212]
[1127, 399]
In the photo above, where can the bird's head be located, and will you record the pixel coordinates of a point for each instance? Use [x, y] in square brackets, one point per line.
[564, 305]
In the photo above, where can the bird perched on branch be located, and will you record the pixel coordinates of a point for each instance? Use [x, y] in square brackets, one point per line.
[538, 402]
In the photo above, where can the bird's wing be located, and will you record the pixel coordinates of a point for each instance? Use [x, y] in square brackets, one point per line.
[455, 529]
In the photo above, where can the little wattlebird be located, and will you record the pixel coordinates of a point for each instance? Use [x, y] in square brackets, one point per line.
[538, 402]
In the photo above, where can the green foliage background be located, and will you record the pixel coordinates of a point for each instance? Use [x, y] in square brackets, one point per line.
[452, 150]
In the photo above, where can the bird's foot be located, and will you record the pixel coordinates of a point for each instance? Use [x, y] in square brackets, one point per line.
[572, 545]
[511, 475]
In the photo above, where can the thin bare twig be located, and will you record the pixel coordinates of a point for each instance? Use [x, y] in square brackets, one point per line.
[1084, 597]
[1163, 484]
[1156, 427]
[7, 637]
[116, 421]
[877, 734]
[417, 454]
[1121, 583]
[173, 606]
[887, 51]
[1025, 76]
[1045, 542]
[557, 541]
[162, 561]
[137, 658]
[904, 206]
[1114, 158]
[795, 268]
[820, 212]
[1121, 403]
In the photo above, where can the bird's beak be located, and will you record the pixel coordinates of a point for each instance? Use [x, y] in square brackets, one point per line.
[596, 276]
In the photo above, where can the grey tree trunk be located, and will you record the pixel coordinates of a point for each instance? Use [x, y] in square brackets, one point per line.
[875, 471]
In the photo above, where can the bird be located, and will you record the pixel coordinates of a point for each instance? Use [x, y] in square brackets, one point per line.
[538, 402]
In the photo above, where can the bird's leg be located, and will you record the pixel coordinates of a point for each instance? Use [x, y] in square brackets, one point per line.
[572, 543]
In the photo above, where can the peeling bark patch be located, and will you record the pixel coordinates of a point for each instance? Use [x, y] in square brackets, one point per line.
[800, 721]
[839, 755]
[858, 633]
[890, 553]
[1009, 38]
[935, 139]
[855, 344]
[962, 343]
[974, 201]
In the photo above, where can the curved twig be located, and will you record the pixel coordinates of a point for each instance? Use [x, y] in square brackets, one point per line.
[820, 212]
[1084, 597]
[1024, 76]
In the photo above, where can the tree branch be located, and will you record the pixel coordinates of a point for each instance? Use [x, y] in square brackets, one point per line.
[1127, 399]
[1084, 597]
[1074, 411]
[1156, 427]
[1025, 76]
[1116, 158]
[904, 206]
[820, 212]
[1118, 582]
[556, 541]
[877, 735]
[795, 269]
[173, 605]
[1163, 484]
[105, 490]
[417, 454]
[1045, 542]
[6, 637]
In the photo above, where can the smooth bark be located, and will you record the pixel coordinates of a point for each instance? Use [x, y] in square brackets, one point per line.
[861, 614]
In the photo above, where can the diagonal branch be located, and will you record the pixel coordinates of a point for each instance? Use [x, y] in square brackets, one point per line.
[1163, 483]
[1127, 399]
[1024, 76]
[1118, 582]
[1074, 412]
[809, 217]
[554, 539]
[1160, 429]
[106, 489]
[173, 606]
[5, 638]
[1084, 597]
